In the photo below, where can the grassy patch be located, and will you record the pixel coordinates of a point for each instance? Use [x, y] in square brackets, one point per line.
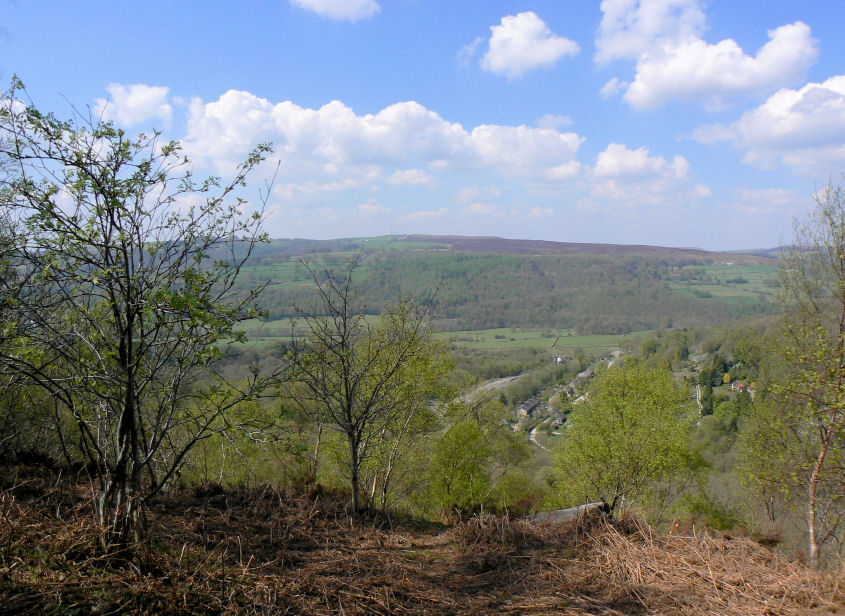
[513, 338]
[746, 284]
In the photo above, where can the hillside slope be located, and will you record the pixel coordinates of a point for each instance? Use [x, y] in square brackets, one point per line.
[483, 282]
[505, 246]
[265, 550]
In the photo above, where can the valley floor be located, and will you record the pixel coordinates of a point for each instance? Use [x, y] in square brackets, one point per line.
[271, 551]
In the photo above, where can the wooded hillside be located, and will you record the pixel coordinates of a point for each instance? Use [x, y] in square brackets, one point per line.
[492, 282]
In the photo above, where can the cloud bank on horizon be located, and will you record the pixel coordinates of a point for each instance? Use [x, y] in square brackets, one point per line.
[676, 129]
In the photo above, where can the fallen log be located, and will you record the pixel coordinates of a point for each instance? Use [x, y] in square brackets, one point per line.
[571, 515]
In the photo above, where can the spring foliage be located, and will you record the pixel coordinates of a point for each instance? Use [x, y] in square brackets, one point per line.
[794, 441]
[120, 293]
[630, 434]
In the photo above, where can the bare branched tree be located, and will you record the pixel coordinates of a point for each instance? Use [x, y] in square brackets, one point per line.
[122, 294]
[358, 375]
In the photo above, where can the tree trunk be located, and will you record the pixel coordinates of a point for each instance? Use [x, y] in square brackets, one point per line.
[373, 487]
[385, 488]
[388, 475]
[120, 512]
[119, 506]
[314, 466]
[353, 467]
[811, 524]
[812, 531]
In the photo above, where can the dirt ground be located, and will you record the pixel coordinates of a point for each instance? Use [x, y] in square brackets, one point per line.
[297, 551]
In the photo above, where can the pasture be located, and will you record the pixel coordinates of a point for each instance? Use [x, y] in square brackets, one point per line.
[513, 338]
[730, 283]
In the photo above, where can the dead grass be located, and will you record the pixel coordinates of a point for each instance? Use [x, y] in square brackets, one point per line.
[702, 574]
[269, 551]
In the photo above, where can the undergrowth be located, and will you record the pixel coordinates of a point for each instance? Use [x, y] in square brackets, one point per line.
[297, 551]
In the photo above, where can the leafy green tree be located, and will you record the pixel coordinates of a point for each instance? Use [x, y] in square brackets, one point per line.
[794, 439]
[649, 347]
[357, 376]
[459, 471]
[728, 413]
[476, 460]
[123, 294]
[390, 470]
[632, 433]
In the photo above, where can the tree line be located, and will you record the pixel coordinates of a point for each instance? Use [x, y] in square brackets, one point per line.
[593, 294]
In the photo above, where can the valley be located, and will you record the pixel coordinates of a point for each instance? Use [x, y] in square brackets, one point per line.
[485, 284]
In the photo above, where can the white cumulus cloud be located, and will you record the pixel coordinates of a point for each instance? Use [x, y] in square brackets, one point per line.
[617, 161]
[675, 63]
[803, 128]
[813, 116]
[563, 172]
[352, 10]
[630, 28]
[524, 42]
[636, 178]
[694, 70]
[404, 142]
[523, 151]
[128, 105]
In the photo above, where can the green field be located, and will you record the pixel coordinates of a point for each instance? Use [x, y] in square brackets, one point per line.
[733, 283]
[261, 333]
[510, 338]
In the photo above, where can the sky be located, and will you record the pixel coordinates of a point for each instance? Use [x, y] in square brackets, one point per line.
[689, 123]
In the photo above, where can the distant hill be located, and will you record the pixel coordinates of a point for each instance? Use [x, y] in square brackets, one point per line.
[487, 282]
[776, 252]
[498, 245]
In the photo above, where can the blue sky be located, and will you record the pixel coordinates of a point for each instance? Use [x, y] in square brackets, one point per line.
[670, 122]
